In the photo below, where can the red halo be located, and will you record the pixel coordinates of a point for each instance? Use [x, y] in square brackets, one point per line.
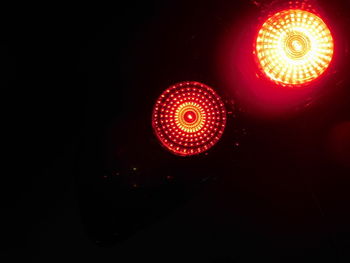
[189, 118]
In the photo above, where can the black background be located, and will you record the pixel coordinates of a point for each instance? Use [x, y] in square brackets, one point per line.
[87, 180]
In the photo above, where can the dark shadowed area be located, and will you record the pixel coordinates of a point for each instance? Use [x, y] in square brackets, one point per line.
[85, 178]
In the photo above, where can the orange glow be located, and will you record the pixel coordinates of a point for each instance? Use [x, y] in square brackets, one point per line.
[189, 118]
[294, 47]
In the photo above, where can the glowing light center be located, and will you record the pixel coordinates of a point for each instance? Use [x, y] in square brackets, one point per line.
[297, 45]
[190, 116]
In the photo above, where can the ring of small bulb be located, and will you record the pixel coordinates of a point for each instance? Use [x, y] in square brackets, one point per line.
[191, 109]
[189, 118]
[294, 47]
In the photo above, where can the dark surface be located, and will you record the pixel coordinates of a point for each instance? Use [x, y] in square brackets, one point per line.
[87, 179]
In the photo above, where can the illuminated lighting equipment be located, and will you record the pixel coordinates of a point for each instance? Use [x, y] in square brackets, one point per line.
[294, 47]
[189, 118]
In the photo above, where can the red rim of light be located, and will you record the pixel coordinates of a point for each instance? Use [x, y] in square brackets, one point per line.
[189, 118]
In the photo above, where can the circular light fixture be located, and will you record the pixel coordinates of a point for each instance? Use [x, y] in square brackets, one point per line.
[189, 118]
[294, 47]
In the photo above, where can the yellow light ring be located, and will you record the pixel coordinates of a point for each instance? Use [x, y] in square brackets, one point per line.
[294, 47]
[199, 117]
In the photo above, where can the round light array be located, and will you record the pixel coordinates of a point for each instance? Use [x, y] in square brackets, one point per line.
[189, 118]
[294, 47]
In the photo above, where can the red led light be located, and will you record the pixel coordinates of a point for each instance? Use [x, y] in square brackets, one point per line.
[189, 118]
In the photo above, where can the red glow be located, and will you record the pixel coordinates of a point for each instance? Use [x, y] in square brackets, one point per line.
[242, 76]
[340, 143]
[189, 118]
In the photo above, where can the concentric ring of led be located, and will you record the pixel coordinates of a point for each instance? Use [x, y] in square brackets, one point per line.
[294, 47]
[182, 114]
[189, 118]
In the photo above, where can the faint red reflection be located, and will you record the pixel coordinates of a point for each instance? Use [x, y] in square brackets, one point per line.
[340, 143]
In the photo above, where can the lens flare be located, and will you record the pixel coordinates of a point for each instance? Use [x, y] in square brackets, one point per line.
[294, 47]
[189, 118]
